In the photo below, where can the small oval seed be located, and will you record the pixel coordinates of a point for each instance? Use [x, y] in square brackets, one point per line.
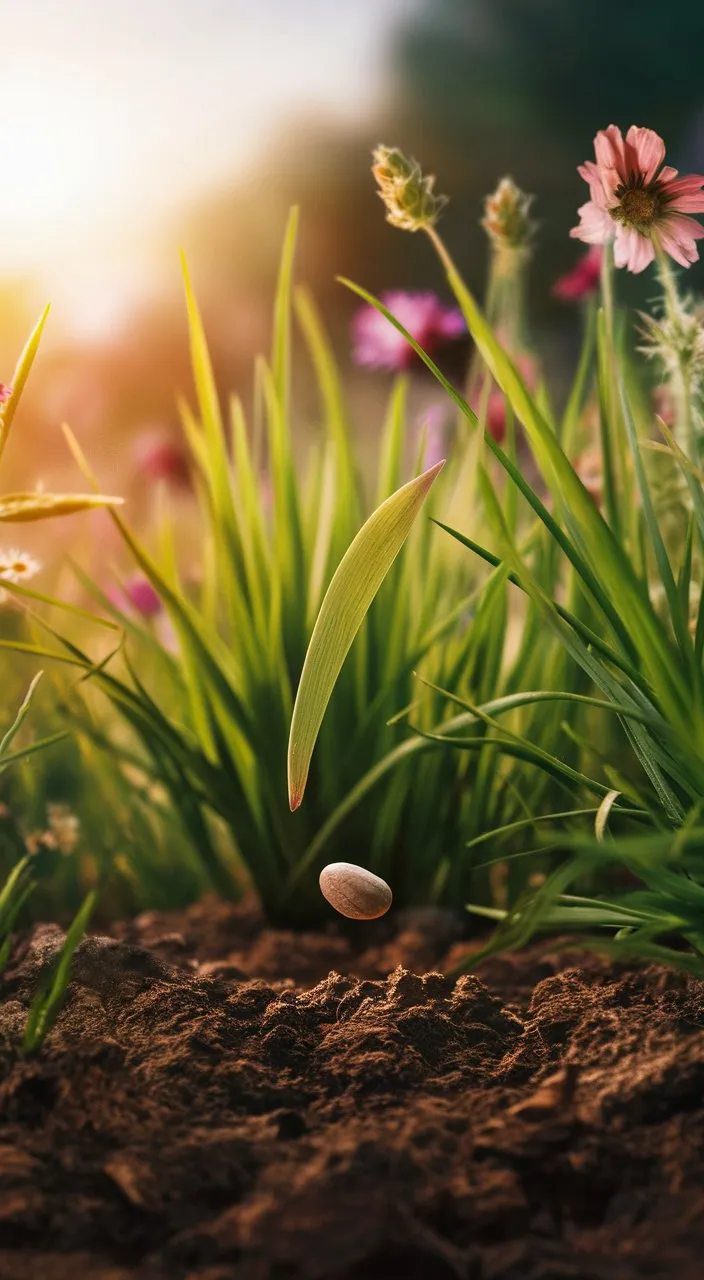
[354, 891]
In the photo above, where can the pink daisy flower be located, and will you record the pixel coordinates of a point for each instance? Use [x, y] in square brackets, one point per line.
[583, 279]
[378, 345]
[635, 200]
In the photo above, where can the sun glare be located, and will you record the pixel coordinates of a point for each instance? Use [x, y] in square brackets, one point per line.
[58, 149]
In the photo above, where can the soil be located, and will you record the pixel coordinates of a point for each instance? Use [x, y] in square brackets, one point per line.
[220, 1101]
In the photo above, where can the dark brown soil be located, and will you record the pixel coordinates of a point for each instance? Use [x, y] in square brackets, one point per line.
[213, 1103]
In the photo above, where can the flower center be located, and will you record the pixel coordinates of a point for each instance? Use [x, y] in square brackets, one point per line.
[639, 206]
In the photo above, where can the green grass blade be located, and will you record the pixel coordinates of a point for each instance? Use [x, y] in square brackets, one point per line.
[47, 1003]
[19, 378]
[353, 587]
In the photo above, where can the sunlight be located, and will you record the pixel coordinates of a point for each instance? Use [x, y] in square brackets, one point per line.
[60, 159]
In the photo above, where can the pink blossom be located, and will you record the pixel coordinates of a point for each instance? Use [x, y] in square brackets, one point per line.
[161, 455]
[495, 415]
[378, 345]
[582, 280]
[637, 201]
[5, 392]
[138, 595]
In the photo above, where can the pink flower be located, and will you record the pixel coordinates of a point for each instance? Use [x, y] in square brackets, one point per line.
[378, 345]
[495, 417]
[583, 280]
[5, 392]
[162, 456]
[138, 595]
[635, 200]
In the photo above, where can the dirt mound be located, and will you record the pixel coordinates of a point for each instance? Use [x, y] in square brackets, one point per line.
[190, 1121]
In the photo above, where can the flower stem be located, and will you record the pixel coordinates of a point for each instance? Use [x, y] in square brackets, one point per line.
[607, 291]
[613, 449]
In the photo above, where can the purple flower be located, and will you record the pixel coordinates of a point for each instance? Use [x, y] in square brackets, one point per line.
[376, 344]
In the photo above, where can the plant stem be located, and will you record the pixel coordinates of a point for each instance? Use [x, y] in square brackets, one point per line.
[607, 291]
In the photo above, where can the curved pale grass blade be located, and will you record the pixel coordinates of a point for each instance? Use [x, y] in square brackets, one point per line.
[19, 377]
[354, 585]
[20, 507]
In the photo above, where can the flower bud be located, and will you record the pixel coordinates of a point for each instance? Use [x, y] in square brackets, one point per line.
[410, 201]
[506, 216]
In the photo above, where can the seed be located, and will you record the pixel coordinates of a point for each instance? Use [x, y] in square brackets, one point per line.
[354, 891]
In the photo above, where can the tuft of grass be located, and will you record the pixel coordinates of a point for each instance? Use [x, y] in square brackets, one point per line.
[48, 1000]
[207, 724]
[627, 607]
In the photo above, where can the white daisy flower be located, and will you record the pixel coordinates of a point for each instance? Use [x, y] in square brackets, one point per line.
[18, 566]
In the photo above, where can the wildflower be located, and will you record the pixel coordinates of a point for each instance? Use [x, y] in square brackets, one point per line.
[64, 826]
[5, 392]
[582, 280]
[162, 456]
[139, 595]
[17, 566]
[637, 202]
[495, 411]
[506, 217]
[41, 843]
[411, 203]
[378, 345]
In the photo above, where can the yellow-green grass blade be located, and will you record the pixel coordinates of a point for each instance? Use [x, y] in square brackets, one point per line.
[393, 440]
[333, 403]
[281, 348]
[353, 587]
[17, 508]
[24, 364]
[586, 524]
[589, 577]
[17, 723]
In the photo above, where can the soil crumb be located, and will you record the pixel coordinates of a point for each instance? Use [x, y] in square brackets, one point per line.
[219, 1101]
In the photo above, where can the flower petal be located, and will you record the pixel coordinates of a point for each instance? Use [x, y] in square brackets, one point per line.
[648, 150]
[678, 235]
[610, 149]
[632, 250]
[596, 226]
[602, 183]
[686, 193]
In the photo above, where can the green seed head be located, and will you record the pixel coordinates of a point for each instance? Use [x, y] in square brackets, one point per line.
[507, 219]
[408, 195]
